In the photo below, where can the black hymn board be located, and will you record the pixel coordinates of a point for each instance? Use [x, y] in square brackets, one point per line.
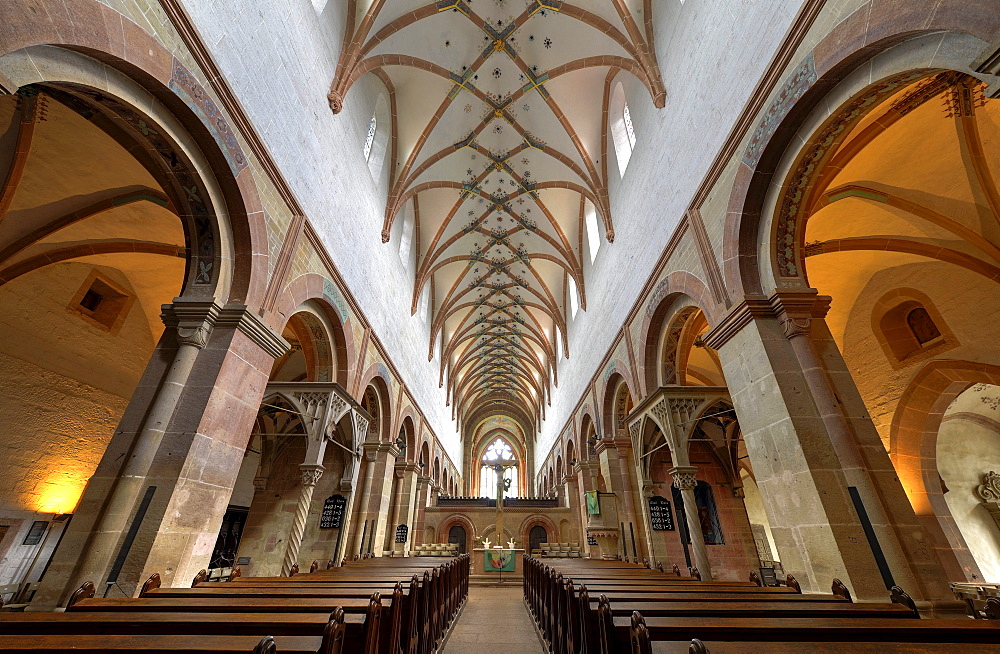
[333, 512]
[661, 518]
[401, 532]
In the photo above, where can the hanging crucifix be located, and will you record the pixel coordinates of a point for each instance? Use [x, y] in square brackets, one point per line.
[503, 485]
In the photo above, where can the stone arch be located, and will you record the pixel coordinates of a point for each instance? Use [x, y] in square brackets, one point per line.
[618, 401]
[913, 450]
[382, 403]
[462, 520]
[536, 520]
[872, 31]
[127, 52]
[408, 432]
[316, 289]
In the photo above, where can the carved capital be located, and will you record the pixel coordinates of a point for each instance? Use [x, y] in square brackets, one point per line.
[796, 309]
[989, 491]
[685, 477]
[194, 336]
[311, 473]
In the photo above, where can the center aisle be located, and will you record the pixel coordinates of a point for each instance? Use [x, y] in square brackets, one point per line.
[494, 619]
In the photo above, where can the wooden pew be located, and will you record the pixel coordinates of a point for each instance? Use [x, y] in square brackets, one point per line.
[236, 616]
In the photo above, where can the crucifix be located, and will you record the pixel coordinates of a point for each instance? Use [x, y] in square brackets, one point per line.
[503, 484]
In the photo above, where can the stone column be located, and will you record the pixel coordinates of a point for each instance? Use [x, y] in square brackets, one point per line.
[685, 481]
[615, 472]
[810, 442]
[406, 508]
[376, 498]
[657, 544]
[421, 503]
[311, 474]
[585, 482]
[174, 458]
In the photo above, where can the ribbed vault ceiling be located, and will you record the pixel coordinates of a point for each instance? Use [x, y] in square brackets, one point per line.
[499, 122]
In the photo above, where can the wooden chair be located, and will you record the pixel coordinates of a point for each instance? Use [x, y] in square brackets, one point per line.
[85, 591]
[992, 610]
[639, 635]
[150, 584]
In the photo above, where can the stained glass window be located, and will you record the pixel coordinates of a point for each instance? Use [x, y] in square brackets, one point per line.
[371, 137]
[498, 450]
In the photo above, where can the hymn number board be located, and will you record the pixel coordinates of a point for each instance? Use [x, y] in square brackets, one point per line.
[661, 518]
[402, 531]
[333, 512]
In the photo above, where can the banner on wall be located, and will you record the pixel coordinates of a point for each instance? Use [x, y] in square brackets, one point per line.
[593, 503]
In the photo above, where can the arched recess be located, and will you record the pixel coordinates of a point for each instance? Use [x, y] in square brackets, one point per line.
[916, 43]
[536, 520]
[618, 403]
[408, 433]
[129, 77]
[673, 294]
[913, 449]
[459, 520]
[376, 402]
[313, 290]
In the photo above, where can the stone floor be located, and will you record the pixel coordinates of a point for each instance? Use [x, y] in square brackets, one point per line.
[494, 620]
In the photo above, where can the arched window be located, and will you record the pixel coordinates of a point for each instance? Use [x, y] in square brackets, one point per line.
[593, 231]
[574, 297]
[622, 129]
[629, 129]
[909, 328]
[921, 325]
[498, 451]
[370, 139]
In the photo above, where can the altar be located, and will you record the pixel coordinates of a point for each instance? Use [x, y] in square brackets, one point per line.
[494, 562]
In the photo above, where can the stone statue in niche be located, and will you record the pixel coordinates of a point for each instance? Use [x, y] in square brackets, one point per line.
[989, 493]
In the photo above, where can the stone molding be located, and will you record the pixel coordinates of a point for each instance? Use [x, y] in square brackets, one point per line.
[989, 63]
[793, 308]
[989, 493]
[195, 320]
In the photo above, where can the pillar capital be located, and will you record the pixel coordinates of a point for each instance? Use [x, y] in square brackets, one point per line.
[195, 320]
[685, 477]
[311, 473]
[407, 466]
[795, 309]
